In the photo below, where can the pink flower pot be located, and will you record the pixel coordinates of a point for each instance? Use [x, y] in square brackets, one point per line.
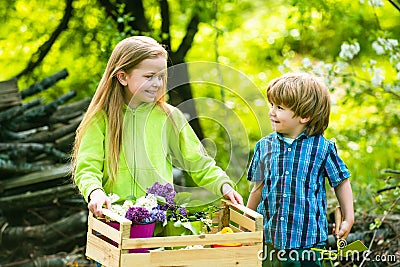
[137, 231]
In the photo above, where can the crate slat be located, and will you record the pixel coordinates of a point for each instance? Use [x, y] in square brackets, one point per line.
[241, 220]
[102, 251]
[191, 240]
[106, 230]
[210, 257]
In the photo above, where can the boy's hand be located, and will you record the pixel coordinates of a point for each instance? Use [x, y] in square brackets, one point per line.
[231, 194]
[345, 228]
[97, 199]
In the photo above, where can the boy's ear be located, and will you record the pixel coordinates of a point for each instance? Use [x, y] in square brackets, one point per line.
[304, 120]
[121, 76]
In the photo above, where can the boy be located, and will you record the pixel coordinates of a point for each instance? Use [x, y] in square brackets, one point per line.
[289, 168]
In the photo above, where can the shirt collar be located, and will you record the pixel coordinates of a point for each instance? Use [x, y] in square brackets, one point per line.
[141, 107]
[303, 135]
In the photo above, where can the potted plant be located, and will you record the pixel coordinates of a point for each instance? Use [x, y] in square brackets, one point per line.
[184, 216]
[164, 212]
[144, 214]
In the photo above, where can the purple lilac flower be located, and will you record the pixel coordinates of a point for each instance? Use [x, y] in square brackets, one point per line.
[182, 211]
[158, 215]
[137, 214]
[167, 191]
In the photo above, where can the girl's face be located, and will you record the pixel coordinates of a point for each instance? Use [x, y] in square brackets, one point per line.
[285, 122]
[144, 81]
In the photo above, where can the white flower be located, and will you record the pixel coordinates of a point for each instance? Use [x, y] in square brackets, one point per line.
[319, 68]
[341, 66]
[306, 62]
[328, 67]
[375, 2]
[127, 204]
[118, 209]
[113, 197]
[353, 146]
[378, 48]
[281, 68]
[207, 222]
[348, 51]
[398, 66]
[121, 209]
[392, 43]
[378, 77]
[149, 202]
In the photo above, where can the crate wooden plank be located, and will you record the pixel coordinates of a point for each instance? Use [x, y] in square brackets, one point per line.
[248, 212]
[244, 221]
[191, 240]
[210, 257]
[107, 231]
[102, 251]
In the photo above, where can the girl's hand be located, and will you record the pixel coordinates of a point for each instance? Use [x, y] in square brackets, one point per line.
[231, 194]
[97, 199]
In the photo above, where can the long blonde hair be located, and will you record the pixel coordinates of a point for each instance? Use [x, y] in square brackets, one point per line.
[109, 95]
[304, 94]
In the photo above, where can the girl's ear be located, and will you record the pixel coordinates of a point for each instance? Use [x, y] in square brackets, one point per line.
[304, 120]
[121, 76]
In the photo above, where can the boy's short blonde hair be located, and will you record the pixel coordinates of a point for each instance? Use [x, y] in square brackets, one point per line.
[306, 95]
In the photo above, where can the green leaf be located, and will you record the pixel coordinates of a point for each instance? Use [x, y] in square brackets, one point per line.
[161, 200]
[191, 227]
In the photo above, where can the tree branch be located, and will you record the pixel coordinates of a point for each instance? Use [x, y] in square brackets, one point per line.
[140, 23]
[165, 36]
[41, 53]
[187, 41]
[134, 8]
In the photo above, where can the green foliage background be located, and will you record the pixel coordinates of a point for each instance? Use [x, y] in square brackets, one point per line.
[252, 37]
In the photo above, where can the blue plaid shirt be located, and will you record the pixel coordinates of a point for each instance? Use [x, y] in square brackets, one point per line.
[293, 199]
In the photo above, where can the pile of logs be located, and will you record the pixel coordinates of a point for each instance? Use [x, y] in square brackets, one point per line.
[42, 217]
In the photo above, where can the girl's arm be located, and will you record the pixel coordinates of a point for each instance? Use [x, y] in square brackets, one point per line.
[344, 195]
[189, 154]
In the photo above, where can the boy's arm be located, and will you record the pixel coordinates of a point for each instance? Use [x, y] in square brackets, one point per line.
[345, 197]
[255, 196]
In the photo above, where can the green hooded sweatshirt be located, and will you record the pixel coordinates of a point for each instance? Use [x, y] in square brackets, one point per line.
[152, 143]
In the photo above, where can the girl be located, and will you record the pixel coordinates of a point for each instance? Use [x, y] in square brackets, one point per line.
[130, 137]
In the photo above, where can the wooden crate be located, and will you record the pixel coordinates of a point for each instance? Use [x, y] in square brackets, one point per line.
[235, 216]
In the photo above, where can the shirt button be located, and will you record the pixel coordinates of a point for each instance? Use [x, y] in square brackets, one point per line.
[284, 195]
[289, 149]
[282, 218]
[287, 172]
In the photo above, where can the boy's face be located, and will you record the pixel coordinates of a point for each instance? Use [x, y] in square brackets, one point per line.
[285, 122]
